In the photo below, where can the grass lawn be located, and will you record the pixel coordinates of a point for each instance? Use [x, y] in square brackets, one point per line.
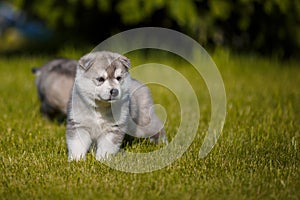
[256, 157]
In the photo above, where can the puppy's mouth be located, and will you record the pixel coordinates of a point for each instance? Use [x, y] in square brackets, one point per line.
[109, 100]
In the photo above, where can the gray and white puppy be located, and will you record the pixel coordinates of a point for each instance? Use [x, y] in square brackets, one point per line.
[105, 104]
[54, 82]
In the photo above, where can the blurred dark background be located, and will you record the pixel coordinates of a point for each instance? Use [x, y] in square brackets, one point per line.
[269, 27]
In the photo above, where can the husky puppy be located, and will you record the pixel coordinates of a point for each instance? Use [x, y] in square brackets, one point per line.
[54, 82]
[105, 104]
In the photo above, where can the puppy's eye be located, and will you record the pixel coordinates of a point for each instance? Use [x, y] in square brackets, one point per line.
[119, 78]
[100, 79]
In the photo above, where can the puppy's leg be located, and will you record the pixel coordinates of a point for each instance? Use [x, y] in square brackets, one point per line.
[78, 142]
[108, 144]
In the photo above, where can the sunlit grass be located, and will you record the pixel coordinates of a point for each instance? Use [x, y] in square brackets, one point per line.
[257, 155]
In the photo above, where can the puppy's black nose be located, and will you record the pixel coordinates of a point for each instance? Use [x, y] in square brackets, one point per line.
[114, 92]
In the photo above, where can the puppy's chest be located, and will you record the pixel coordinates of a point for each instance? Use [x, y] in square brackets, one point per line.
[103, 123]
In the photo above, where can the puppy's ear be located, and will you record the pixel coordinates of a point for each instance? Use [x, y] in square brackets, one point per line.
[86, 62]
[125, 61]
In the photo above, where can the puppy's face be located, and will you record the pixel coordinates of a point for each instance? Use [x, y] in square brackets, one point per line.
[103, 76]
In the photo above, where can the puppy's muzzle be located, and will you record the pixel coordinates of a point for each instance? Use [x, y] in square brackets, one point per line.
[114, 92]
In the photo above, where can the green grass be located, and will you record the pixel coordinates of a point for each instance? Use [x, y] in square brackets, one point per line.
[256, 157]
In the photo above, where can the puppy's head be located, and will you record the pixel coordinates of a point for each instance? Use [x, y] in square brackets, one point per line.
[103, 76]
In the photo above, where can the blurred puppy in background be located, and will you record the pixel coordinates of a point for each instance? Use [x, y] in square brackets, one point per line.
[54, 82]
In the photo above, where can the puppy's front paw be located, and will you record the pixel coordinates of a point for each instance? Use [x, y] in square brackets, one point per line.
[108, 145]
[105, 154]
[78, 144]
[101, 157]
[76, 157]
